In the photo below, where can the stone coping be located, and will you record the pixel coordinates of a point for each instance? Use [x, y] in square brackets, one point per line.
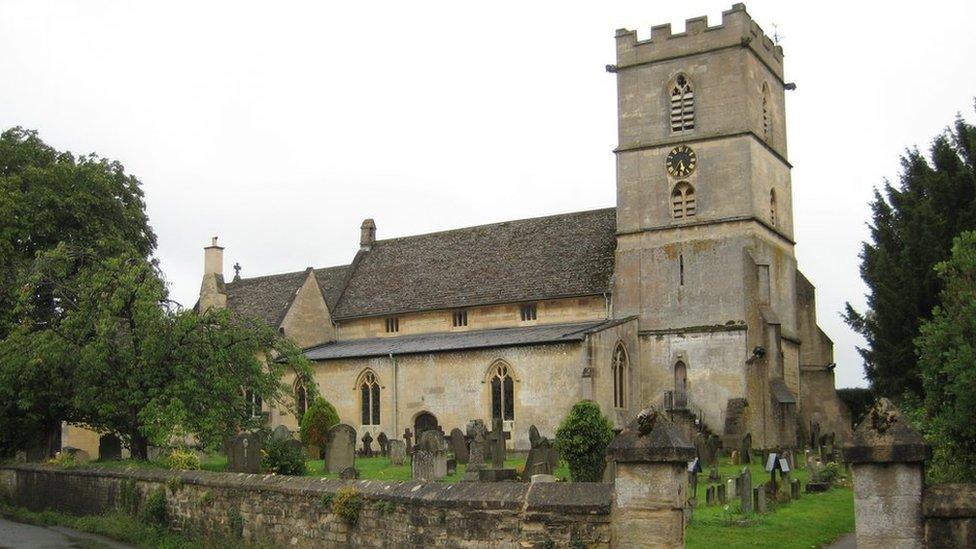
[949, 501]
[565, 497]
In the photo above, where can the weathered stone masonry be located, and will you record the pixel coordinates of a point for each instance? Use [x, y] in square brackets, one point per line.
[290, 511]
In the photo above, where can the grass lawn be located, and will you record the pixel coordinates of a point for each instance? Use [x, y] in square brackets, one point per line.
[812, 521]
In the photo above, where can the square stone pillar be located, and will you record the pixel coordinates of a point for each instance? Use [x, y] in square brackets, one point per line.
[887, 458]
[650, 491]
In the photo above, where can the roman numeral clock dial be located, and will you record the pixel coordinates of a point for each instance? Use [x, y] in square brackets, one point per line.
[681, 161]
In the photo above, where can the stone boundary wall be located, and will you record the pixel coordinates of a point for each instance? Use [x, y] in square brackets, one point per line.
[290, 511]
[950, 515]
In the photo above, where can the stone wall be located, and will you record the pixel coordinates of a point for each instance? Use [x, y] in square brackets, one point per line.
[290, 510]
[950, 515]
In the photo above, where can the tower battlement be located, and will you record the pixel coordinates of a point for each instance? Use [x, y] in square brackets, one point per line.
[737, 29]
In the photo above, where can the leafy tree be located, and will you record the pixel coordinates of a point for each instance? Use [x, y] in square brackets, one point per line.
[48, 197]
[129, 361]
[912, 230]
[947, 359]
[582, 439]
[318, 419]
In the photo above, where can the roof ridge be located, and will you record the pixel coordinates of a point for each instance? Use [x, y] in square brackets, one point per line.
[494, 224]
[273, 275]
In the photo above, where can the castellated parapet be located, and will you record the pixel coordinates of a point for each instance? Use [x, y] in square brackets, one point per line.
[737, 30]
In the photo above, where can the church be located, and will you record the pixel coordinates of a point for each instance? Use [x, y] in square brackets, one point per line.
[685, 295]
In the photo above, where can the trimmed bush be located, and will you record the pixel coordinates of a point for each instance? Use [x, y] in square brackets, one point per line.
[282, 457]
[582, 440]
[318, 419]
[183, 460]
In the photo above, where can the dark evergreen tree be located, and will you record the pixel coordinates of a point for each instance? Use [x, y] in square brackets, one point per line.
[912, 229]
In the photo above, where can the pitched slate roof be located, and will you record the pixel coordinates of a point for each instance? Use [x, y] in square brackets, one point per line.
[547, 257]
[268, 297]
[456, 341]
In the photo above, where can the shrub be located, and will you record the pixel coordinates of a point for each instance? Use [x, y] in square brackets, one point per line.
[154, 512]
[346, 504]
[317, 421]
[63, 459]
[282, 457]
[183, 460]
[582, 440]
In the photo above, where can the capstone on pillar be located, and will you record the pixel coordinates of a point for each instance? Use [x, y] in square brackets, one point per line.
[651, 458]
[887, 458]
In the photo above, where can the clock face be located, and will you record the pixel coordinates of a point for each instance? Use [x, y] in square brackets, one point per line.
[681, 161]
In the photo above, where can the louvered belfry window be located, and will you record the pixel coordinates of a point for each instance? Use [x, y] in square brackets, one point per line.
[682, 105]
[683, 200]
[767, 123]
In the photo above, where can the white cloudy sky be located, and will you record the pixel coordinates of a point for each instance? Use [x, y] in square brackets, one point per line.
[281, 125]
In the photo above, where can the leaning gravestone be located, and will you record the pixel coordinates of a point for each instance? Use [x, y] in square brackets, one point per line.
[109, 448]
[745, 490]
[459, 446]
[384, 443]
[398, 452]
[244, 453]
[340, 450]
[542, 459]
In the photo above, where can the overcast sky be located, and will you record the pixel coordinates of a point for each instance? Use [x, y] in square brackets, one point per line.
[281, 125]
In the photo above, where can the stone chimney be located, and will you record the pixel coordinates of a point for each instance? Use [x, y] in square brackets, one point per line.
[212, 291]
[367, 235]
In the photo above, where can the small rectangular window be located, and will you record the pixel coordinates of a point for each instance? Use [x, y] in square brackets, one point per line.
[528, 312]
[460, 318]
[392, 325]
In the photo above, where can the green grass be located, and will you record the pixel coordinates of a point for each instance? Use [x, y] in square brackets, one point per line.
[811, 521]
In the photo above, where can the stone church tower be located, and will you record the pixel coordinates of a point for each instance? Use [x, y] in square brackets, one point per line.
[705, 251]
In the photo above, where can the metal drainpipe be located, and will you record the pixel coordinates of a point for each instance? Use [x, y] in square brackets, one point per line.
[396, 410]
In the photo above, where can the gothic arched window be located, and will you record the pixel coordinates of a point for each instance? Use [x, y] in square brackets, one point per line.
[301, 400]
[682, 104]
[369, 395]
[766, 118]
[502, 393]
[772, 207]
[683, 200]
[619, 365]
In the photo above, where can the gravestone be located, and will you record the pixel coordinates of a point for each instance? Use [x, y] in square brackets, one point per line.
[745, 449]
[384, 443]
[476, 458]
[814, 434]
[459, 446]
[745, 490]
[734, 458]
[432, 441]
[340, 450]
[474, 427]
[701, 449]
[398, 452]
[407, 437]
[244, 453]
[714, 443]
[109, 447]
[543, 478]
[80, 456]
[795, 489]
[713, 475]
[422, 465]
[451, 466]
[827, 446]
[759, 494]
[542, 459]
[730, 488]
[496, 443]
[282, 433]
[721, 493]
[349, 473]
[367, 444]
[709, 495]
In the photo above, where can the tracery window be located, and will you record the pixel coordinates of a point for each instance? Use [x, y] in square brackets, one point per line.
[502, 393]
[682, 104]
[369, 395]
[683, 200]
[619, 366]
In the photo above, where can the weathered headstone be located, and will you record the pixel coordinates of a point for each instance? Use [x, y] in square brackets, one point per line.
[745, 490]
[384, 443]
[407, 437]
[432, 441]
[349, 473]
[282, 433]
[815, 434]
[109, 447]
[730, 487]
[367, 444]
[476, 458]
[340, 450]
[244, 453]
[422, 464]
[80, 456]
[474, 427]
[721, 493]
[713, 475]
[759, 494]
[701, 449]
[827, 446]
[542, 459]
[398, 452]
[745, 449]
[734, 458]
[459, 446]
[710, 495]
[795, 488]
[496, 443]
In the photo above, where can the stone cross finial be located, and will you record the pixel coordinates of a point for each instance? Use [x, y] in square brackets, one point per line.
[237, 271]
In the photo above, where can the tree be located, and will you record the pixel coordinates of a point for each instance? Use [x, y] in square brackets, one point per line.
[48, 197]
[315, 425]
[131, 362]
[582, 440]
[911, 231]
[947, 360]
